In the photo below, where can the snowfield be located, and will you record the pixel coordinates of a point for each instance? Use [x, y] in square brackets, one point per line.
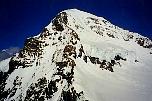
[80, 57]
[4, 65]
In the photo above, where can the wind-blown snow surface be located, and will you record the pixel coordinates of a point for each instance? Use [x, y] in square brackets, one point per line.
[80, 57]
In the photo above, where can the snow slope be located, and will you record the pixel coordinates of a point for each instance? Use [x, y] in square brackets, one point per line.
[80, 57]
[4, 65]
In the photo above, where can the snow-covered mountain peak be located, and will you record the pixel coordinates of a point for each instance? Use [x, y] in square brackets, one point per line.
[80, 57]
[86, 24]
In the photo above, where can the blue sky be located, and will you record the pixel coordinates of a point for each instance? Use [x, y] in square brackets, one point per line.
[20, 19]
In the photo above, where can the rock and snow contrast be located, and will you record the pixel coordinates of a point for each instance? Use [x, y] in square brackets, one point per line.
[79, 57]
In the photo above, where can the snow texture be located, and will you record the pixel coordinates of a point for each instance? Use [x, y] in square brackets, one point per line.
[80, 57]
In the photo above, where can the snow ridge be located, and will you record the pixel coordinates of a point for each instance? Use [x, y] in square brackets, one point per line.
[80, 57]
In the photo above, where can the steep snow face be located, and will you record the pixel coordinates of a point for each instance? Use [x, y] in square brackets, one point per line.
[4, 65]
[80, 57]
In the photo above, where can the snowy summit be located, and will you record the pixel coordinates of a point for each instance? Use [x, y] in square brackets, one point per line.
[79, 57]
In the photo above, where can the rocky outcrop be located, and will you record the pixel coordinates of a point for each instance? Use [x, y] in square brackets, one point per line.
[54, 64]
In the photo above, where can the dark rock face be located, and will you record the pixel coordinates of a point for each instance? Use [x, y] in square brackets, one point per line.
[69, 50]
[59, 20]
[3, 77]
[107, 65]
[144, 42]
[103, 64]
[71, 95]
[110, 35]
[11, 92]
[45, 88]
[140, 41]
[13, 64]
[41, 90]
[118, 57]
[33, 46]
